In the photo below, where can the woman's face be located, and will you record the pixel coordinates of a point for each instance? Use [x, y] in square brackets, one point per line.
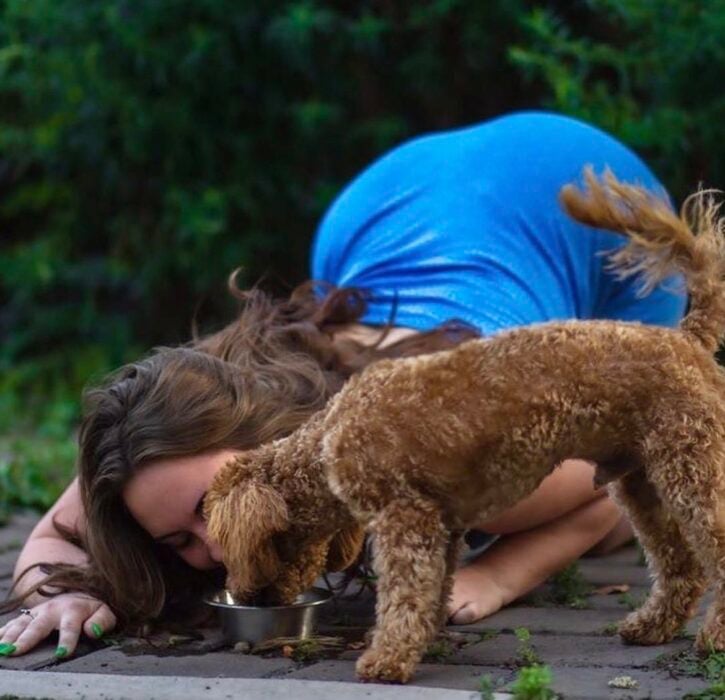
[166, 498]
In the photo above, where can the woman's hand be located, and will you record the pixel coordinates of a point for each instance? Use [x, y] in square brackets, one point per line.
[69, 613]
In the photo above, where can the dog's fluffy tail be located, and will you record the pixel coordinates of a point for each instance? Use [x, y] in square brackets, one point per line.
[661, 243]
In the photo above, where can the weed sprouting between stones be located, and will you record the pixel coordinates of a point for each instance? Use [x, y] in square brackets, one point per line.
[487, 634]
[487, 686]
[307, 651]
[629, 601]
[611, 629]
[688, 663]
[533, 683]
[714, 692]
[526, 654]
[569, 587]
[439, 650]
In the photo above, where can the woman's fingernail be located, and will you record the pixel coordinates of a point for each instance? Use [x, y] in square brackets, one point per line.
[7, 649]
[97, 629]
[60, 652]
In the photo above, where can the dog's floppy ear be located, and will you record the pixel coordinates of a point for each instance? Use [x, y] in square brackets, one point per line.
[242, 518]
[345, 547]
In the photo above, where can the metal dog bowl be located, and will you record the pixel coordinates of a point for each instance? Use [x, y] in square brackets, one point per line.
[249, 623]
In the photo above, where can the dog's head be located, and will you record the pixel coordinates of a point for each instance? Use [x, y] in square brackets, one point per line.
[263, 545]
[244, 513]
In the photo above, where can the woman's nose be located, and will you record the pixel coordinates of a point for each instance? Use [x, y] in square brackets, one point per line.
[213, 547]
[215, 551]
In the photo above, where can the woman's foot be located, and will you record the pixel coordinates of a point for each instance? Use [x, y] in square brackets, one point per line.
[517, 563]
[475, 595]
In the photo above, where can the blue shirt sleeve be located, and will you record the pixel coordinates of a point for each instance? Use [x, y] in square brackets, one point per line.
[466, 224]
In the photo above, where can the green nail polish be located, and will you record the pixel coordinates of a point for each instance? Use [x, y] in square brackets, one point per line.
[60, 652]
[7, 649]
[97, 629]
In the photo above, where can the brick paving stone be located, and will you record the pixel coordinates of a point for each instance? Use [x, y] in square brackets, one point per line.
[37, 658]
[625, 573]
[12, 537]
[7, 565]
[110, 687]
[566, 650]
[227, 664]
[591, 684]
[557, 620]
[43, 656]
[14, 533]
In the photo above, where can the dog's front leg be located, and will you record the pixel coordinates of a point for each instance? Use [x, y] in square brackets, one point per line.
[453, 555]
[410, 543]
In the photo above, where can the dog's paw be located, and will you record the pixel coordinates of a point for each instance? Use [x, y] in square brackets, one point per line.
[646, 629]
[375, 665]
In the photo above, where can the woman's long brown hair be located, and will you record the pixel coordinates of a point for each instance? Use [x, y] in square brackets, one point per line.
[257, 379]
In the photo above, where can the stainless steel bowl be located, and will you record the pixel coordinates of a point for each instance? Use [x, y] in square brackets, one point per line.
[249, 623]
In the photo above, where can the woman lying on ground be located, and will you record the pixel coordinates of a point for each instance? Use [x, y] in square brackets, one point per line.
[453, 235]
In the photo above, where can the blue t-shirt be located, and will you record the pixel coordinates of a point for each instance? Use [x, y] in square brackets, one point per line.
[466, 224]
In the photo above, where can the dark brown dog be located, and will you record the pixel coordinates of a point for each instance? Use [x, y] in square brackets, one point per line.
[414, 451]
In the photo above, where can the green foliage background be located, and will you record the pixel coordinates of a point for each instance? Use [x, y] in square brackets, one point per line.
[147, 149]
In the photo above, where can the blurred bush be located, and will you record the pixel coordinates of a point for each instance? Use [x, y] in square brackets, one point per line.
[147, 149]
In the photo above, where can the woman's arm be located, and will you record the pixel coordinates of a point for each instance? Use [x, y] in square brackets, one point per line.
[46, 544]
[69, 613]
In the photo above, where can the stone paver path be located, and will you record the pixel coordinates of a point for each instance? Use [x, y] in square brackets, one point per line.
[578, 645]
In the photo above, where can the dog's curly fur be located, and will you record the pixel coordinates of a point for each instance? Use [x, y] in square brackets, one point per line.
[414, 451]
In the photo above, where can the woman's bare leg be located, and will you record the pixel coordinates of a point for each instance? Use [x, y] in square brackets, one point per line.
[565, 517]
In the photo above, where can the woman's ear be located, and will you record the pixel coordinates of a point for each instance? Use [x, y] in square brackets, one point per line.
[345, 547]
[242, 517]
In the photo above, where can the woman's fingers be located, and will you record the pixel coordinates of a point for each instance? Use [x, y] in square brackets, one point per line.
[10, 633]
[69, 631]
[33, 632]
[101, 622]
[68, 613]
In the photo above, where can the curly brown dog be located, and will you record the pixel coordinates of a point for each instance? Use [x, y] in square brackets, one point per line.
[416, 450]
